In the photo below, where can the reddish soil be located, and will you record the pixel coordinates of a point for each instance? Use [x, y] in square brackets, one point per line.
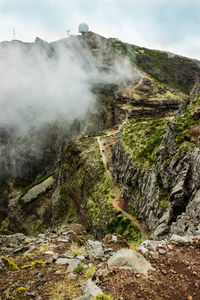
[117, 200]
[76, 199]
[176, 277]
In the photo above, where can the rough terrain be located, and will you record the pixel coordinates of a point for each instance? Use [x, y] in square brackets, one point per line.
[58, 266]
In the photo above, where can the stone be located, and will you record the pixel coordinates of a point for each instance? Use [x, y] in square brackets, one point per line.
[130, 259]
[162, 251]
[150, 245]
[41, 235]
[179, 239]
[114, 238]
[90, 289]
[38, 189]
[73, 263]
[71, 275]
[80, 257]
[62, 261]
[95, 250]
[49, 252]
[155, 255]
[63, 239]
[142, 249]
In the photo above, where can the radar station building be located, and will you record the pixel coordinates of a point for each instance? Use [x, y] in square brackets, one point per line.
[83, 28]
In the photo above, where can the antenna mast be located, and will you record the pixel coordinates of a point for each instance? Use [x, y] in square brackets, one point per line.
[68, 33]
[14, 34]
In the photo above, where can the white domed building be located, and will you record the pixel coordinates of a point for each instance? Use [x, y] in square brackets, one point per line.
[83, 28]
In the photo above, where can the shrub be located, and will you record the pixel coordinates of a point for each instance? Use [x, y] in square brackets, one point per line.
[79, 268]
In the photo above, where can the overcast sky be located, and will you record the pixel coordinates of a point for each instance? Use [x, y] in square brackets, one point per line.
[172, 25]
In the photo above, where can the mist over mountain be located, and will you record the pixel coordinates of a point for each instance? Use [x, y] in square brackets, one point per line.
[99, 152]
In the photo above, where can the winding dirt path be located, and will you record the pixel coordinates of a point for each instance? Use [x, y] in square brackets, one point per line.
[117, 198]
[125, 121]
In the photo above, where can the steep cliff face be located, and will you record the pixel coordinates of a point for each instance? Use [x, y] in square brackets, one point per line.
[160, 178]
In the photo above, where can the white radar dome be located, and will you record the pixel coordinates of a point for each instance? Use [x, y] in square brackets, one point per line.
[83, 27]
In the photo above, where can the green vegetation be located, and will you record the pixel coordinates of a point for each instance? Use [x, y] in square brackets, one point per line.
[163, 194]
[35, 264]
[104, 193]
[27, 188]
[89, 271]
[64, 210]
[123, 226]
[162, 66]
[79, 268]
[141, 139]
[11, 264]
[37, 227]
[75, 250]
[132, 212]
[184, 124]
[163, 204]
[102, 297]
[21, 290]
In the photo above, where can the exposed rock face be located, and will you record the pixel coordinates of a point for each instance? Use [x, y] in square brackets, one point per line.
[180, 179]
[37, 190]
[138, 187]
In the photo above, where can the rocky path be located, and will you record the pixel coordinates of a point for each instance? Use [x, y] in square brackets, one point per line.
[125, 121]
[117, 198]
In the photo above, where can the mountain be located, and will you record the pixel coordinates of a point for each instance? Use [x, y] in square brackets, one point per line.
[126, 162]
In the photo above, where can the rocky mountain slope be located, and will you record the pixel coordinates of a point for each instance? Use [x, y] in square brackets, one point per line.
[72, 265]
[134, 157]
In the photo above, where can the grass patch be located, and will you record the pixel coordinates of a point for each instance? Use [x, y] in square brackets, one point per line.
[79, 268]
[184, 124]
[142, 138]
[123, 226]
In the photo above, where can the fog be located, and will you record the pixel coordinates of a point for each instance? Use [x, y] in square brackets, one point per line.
[41, 82]
[36, 89]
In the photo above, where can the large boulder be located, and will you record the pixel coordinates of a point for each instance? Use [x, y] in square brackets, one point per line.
[37, 190]
[130, 259]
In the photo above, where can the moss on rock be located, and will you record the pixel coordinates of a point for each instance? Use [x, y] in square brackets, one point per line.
[11, 264]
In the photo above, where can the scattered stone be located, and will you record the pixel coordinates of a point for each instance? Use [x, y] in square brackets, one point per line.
[73, 263]
[90, 289]
[80, 257]
[62, 261]
[180, 240]
[71, 275]
[63, 239]
[95, 250]
[162, 251]
[41, 235]
[114, 238]
[21, 249]
[150, 245]
[155, 255]
[49, 252]
[130, 259]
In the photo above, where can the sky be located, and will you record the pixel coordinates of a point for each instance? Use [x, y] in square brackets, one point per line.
[171, 25]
